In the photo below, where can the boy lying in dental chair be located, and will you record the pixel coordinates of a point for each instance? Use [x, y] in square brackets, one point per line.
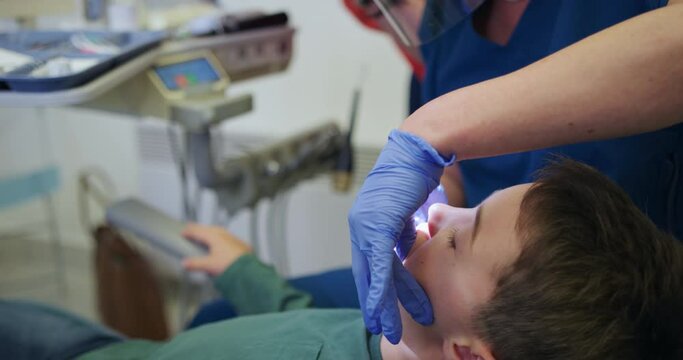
[564, 268]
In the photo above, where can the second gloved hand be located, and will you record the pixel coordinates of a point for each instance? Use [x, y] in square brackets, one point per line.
[406, 172]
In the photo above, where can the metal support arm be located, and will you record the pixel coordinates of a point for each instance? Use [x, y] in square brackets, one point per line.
[242, 181]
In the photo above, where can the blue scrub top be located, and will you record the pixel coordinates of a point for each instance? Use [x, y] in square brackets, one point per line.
[647, 166]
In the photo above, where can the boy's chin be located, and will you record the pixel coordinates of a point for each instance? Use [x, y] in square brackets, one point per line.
[409, 325]
[417, 337]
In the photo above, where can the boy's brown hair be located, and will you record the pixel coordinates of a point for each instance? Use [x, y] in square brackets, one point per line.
[595, 278]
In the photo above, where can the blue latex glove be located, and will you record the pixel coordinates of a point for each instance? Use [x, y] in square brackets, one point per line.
[406, 172]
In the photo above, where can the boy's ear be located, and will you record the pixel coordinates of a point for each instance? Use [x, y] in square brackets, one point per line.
[482, 350]
[474, 349]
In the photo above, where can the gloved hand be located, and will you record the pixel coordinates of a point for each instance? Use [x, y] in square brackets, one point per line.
[407, 170]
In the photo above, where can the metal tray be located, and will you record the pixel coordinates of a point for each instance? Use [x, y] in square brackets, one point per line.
[44, 46]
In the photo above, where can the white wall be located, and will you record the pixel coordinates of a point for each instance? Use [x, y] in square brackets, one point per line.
[331, 48]
[73, 139]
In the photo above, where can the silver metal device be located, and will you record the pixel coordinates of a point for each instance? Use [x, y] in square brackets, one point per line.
[417, 22]
[262, 173]
[123, 90]
[148, 223]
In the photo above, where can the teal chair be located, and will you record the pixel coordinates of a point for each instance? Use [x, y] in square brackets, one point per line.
[36, 185]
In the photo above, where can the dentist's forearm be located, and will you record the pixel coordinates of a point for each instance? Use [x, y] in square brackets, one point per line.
[625, 80]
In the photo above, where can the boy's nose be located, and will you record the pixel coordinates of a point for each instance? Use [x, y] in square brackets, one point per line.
[442, 216]
[437, 217]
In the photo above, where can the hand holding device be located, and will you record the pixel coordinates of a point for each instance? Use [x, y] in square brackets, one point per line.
[224, 248]
[153, 226]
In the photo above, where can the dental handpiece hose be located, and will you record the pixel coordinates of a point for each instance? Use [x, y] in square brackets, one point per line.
[343, 172]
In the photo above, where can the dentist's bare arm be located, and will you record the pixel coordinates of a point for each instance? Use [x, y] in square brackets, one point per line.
[625, 80]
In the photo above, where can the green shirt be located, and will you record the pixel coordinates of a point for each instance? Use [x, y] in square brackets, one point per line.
[274, 324]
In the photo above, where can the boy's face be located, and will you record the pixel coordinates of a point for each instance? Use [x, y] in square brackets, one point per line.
[457, 267]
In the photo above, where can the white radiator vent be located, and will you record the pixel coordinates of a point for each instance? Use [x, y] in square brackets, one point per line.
[365, 158]
[154, 142]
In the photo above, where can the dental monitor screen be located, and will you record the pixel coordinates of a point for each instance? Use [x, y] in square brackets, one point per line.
[186, 74]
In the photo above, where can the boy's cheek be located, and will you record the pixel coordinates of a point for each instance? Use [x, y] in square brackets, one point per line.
[421, 238]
